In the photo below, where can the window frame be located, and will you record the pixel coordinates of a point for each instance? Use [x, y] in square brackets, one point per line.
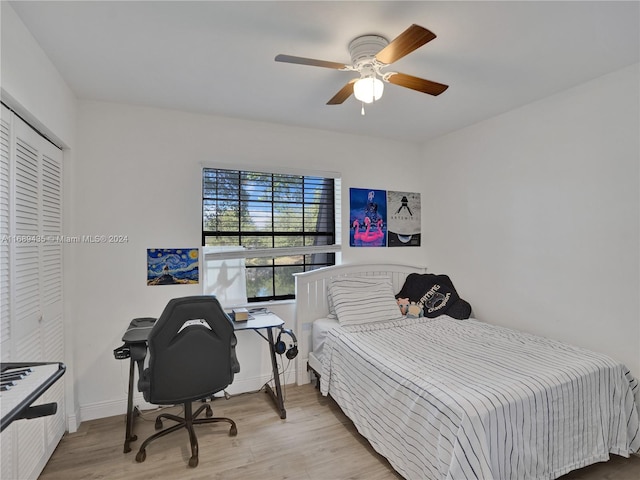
[304, 254]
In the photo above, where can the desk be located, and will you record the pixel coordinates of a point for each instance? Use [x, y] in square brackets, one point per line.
[267, 321]
[135, 348]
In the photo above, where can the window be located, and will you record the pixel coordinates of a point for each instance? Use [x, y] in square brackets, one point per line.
[280, 224]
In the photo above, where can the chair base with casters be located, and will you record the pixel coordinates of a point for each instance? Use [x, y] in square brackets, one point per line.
[188, 421]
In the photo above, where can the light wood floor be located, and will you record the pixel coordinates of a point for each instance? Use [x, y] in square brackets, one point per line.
[315, 441]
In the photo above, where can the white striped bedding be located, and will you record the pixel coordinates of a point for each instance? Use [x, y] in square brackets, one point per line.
[449, 399]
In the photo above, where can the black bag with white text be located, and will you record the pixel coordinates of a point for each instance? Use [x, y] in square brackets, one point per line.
[435, 294]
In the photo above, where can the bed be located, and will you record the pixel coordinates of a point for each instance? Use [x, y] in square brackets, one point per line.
[459, 399]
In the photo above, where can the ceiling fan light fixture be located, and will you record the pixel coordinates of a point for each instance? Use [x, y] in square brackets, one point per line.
[368, 89]
[369, 54]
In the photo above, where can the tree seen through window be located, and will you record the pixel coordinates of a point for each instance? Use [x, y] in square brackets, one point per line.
[269, 210]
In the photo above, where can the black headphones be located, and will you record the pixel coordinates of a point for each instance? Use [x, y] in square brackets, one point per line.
[281, 347]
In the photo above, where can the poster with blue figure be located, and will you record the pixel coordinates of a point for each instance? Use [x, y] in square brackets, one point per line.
[173, 266]
[367, 217]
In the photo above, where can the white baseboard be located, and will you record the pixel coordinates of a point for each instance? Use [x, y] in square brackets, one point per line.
[73, 421]
[119, 406]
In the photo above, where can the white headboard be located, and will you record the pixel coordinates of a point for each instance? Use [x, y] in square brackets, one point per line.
[311, 299]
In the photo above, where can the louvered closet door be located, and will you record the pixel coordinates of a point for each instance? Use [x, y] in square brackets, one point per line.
[9, 435]
[34, 259]
[26, 304]
[5, 319]
[51, 287]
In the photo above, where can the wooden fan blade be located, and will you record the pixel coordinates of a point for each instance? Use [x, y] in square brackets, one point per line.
[419, 84]
[310, 61]
[344, 93]
[412, 38]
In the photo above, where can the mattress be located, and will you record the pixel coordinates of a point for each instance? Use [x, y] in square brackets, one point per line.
[314, 363]
[448, 399]
[319, 330]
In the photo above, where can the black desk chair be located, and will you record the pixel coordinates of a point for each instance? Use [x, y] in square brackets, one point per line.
[191, 357]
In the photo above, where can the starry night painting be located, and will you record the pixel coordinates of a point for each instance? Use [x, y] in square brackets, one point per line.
[172, 266]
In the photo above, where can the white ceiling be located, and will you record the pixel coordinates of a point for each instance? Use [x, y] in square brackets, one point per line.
[217, 57]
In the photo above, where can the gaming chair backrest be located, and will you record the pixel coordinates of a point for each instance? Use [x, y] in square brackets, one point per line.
[191, 351]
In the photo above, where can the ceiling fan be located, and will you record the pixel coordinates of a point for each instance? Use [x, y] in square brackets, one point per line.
[369, 55]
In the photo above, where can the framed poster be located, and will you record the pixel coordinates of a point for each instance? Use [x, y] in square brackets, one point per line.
[367, 217]
[173, 266]
[404, 219]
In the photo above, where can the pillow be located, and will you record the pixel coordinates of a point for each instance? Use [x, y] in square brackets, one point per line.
[351, 281]
[362, 300]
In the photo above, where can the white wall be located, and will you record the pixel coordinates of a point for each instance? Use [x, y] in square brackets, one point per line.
[32, 86]
[139, 175]
[30, 82]
[535, 215]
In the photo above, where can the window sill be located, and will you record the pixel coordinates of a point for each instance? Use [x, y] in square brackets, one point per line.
[269, 303]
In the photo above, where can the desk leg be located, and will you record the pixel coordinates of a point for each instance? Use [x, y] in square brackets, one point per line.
[277, 396]
[128, 437]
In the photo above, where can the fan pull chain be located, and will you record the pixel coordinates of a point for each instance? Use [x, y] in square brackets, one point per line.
[362, 110]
